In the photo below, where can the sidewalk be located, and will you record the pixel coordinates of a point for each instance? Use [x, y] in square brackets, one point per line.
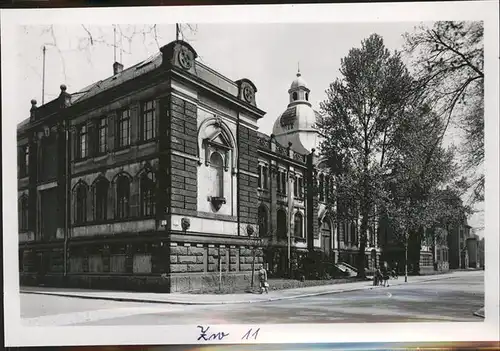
[221, 299]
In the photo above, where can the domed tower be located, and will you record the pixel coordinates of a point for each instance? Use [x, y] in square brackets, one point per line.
[297, 123]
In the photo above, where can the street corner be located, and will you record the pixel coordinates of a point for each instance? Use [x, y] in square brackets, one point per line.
[480, 313]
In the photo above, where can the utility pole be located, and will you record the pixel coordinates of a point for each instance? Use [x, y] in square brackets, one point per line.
[43, 76]
[177, 31]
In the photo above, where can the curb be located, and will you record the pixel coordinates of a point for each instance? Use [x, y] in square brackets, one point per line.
[479, 313]
[208, 303]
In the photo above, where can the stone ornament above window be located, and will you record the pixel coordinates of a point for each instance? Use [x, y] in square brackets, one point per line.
[247, 91]
[180, 54]
[217, 202]
[184, 57]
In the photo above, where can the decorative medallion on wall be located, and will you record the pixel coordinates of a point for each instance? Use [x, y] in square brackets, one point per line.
[185, 58]
[248, 94]
[185, 223]
[250, 230]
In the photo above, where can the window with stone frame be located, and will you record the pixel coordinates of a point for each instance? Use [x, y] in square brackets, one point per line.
[82, 141]
[148, 125]
[260, 176]
[100, 195]
[265, 183]
[123, 128]
[301, 188]
[321, 187]
[278, 183]
[283, 183]
[327, 188]
[23, 161]
[102, 135]
[296, 187]
[148, 187]
[80, 203]
[217, 174]
[23, 213]
[298, 225]
[263, 221]
[282, 227]
[122, 197]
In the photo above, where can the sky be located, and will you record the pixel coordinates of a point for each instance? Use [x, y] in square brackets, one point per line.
[267, 54]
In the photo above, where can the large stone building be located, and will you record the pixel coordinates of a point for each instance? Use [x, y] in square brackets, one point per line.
[157, 178]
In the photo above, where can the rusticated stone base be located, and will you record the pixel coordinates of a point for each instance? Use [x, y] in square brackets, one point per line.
[146, 283]
[203, 281]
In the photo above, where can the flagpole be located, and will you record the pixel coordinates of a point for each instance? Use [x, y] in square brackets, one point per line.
[43, 76]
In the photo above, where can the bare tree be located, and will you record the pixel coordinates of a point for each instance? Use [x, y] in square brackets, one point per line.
[450, 72]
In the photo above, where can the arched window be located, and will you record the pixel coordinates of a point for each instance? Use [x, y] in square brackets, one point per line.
[263, 222]
[148, 185]
[122, 197]
[307, 96]
[294, 96]
[321, 187]
[80, 203]
[100, 193]
[217, 174]
[298, 225]
[281, 224]
[23, 213]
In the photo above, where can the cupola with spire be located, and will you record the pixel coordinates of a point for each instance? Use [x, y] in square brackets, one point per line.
[297, 124]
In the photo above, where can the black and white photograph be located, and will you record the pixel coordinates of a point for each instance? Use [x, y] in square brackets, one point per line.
[235, 173]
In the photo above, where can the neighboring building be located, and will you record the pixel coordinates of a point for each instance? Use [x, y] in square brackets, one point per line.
[481, 254]
[156, 178]
[457, 237]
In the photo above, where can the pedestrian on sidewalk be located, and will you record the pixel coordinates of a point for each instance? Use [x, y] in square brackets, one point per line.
[377, 277]
[385, 273]
[264, 285]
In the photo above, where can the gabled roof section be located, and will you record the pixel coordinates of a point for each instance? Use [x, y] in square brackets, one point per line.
[137, 70]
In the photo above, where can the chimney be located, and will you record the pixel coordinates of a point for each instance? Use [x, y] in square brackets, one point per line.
[33, 109]
[117, 68]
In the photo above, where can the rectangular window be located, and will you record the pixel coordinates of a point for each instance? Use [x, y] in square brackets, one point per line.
[301, 188]
[296, 187]
[283, 182]
[82, 141]
[23, 161]
[264, 175]
[149, 120]
[102, 135]
[278, 182]
[123, 128]
[260, 176]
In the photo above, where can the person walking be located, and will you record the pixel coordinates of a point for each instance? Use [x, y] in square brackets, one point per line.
[385, 273]
[264, 285]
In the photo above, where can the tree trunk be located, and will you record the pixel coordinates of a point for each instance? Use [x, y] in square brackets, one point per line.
[365, 212]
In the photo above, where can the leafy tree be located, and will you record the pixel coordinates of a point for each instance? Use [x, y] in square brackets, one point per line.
[357, 124]
[449, 63]
[419, 174]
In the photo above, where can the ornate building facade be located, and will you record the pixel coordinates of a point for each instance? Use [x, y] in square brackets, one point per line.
[157, 178]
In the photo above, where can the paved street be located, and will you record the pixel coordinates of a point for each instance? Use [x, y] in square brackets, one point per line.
[452, 299]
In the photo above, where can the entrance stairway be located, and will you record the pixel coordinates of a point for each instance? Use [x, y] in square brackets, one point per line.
[347, 268]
